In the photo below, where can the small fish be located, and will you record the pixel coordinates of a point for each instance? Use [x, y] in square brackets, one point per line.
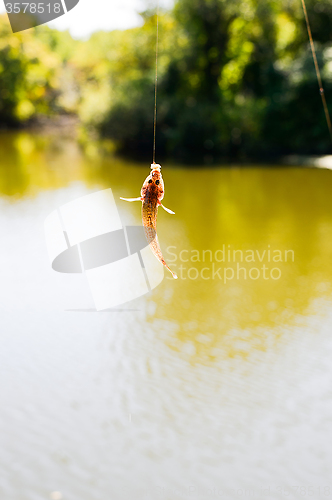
[152, 193]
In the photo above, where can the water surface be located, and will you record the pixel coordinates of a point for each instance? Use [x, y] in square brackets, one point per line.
[201, 389]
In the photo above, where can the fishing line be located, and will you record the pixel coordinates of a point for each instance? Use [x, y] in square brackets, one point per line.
[155, 89]
[320, 83]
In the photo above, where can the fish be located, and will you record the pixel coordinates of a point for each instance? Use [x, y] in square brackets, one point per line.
[152, 193]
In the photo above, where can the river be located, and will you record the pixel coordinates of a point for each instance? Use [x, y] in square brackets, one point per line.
[215, 385]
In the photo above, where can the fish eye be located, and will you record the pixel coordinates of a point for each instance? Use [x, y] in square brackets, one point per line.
[150, 180]
[157, 182]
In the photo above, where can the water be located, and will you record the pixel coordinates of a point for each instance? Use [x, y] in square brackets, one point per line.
[202, 389]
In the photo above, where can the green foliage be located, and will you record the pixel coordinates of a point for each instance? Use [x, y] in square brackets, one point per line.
[236, 80]
[29, 72]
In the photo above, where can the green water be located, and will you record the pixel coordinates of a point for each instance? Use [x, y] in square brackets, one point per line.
[277, 217]
[242, 357]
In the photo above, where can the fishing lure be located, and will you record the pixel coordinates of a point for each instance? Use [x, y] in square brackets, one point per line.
[152, 193]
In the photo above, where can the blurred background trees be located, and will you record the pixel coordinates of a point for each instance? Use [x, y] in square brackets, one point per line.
[236, 81]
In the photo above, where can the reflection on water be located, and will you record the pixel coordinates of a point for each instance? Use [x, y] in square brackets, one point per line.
[278, 218]
[231, 356]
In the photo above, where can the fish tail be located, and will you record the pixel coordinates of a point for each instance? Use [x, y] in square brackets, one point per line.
[162, 260]
[175, 276]
[154, 245]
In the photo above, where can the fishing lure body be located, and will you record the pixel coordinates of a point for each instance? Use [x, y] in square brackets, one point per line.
[152, 193]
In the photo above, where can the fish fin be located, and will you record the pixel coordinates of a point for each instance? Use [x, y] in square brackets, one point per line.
[167, 209]
[175, 276]
[131, 199]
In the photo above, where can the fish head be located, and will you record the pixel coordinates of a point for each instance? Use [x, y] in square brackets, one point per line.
[154, 184]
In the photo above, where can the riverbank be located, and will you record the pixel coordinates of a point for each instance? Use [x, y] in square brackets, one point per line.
[324, 161]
